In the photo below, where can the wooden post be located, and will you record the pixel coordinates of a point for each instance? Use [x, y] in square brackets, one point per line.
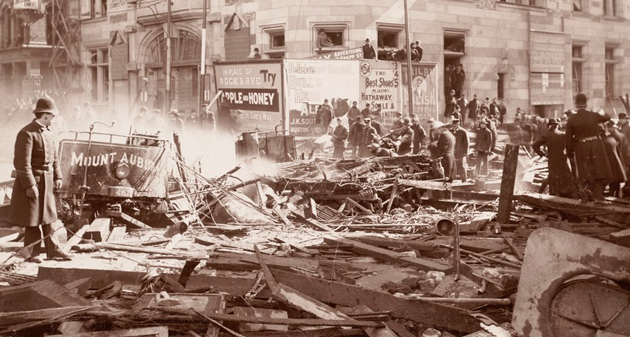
[507, 183]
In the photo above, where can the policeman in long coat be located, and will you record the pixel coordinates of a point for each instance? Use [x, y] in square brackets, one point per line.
[583, 142]
[339, 136]
[561, 181]
[38, 175]
[366, 138]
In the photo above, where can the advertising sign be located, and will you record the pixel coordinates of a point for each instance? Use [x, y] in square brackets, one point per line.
[309, 83]
[146, 168]
[424, 88]
[349, 54]
[27, 4]
[251, 96]
[380, 85]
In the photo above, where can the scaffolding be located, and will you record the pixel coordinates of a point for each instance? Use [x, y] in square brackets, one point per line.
[65, 61]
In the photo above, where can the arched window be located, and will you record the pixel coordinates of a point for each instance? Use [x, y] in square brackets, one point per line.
[186, 49]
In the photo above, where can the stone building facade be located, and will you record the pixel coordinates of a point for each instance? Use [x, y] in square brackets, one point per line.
[534, 54]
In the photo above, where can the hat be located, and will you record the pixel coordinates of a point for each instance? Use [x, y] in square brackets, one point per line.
[175, 113]
[367, 40]
[406, 121]
[437, 125]
[601, 127]
[367, 119]
[580, 100]
[622, 115]
[553, 121]
[47, 105]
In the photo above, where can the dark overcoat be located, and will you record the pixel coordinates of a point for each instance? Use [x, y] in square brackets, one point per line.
[618, 174]
[582, 139]
[36, 163]
[446, 149]
[561, 181]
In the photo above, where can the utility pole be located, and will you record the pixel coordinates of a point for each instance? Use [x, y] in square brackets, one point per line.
[202, 70]
[169, 59]
[408, 48]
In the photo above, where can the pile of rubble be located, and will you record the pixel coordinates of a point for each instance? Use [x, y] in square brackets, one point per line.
[368, 247]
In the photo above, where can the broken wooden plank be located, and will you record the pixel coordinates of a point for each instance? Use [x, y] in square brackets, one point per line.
[98, 231]
[430, 314]
[508, 180]
[489, 258]
[38, 295]
[127, 218]
[426, 184]
[390, 256]
[9, 238]
[173, 241]
[117, 234]
[129, 248]
[357, 205]
[280, 213]
[262, 313]
[517, 252]
[325, 332]
[294, 298]
[297, 247]
[392, 196]
[75, 239]
[312, 222]
[154, 331]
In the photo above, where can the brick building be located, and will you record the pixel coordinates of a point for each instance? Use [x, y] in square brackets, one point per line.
[535, 54]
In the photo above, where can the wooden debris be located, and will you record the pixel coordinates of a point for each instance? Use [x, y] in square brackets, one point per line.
[508, 181]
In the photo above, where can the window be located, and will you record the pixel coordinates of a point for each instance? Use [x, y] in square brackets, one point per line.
[609, 56]
[99, 73]
[388, 40]
[276, 48]
[578, 6]
[577, 65]
[454, 43]
[533, 3]
[609, 7]
[98, 8]
[330, 37]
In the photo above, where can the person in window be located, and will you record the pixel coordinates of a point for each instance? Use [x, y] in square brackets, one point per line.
[419, 50]
[323, 40]
[368, 50]
[256, 55]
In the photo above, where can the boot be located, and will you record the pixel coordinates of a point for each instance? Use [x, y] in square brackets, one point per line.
[53, 249]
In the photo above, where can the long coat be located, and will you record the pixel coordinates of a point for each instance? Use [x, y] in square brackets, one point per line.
[36, 163]
[461, 143]
[561, 181]
[368, 136]
[618, 175]
[624, 146]
[582, 140]
[483, 143]
[445, 148]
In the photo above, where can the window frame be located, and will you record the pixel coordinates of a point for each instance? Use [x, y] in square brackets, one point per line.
[577, 74]
[270, 32]
[451, 34]
[334, 27]
[610, 69]
[397, 29]
[99, 65]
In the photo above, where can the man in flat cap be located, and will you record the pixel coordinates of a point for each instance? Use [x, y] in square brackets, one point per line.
[583, 142]
[38, 176]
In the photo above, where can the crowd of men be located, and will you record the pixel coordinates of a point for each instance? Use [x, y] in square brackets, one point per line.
[153, 123]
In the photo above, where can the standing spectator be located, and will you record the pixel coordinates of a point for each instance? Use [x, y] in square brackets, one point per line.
[473, 109]
[38, 176]
[76, 121]
[89, 115]
[418, 133]
[140, 121]
[175, 123]
[463, 107]
[483, 145]
[560, 178]
[368, 50]
[625, 155]
[324, 115]
[192, 121]
[458, 78]
[461, 149]
[353, 112]
[405, 140]
[502, 111]
[323, 40]
[447, 80]
[583, 142]
[419, 50]
[354, 137]
[623, 146]
[492, 125]
[156, 124]
[444, 148]
[625, 126]
[618, 175]
[494, 108]
[365, 113]
[451, 103]
[456, 115]
[368, 136]
[256, 55]
[485, 106]
[339, 136]
[414, 52]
